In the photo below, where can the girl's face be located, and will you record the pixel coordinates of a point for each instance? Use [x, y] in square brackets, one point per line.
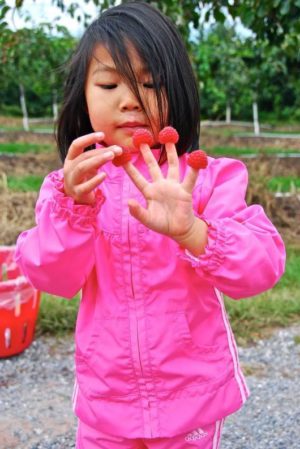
[112, 106]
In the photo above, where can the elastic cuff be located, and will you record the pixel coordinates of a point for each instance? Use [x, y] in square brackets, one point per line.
[214, 251]
[65, 207]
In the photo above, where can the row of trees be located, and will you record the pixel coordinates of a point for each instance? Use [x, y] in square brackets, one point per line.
[234, 72]
[31, 70]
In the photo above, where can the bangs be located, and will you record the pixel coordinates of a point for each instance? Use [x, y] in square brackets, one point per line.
[119, 42]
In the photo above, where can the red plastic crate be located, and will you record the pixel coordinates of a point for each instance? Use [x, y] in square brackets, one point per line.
[19, 306]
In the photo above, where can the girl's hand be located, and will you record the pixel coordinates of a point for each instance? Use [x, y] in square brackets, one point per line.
[80, 169]
[169, 202]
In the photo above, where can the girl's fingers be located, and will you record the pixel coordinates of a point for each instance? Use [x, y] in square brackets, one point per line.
[88, 186]
[136, 177]
[84, 167]
[190, 179]
[98, 152]
[173, 162]
[151, 162]
[78, 145]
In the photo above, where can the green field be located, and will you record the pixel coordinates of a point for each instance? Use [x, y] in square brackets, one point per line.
[28, 183]
[22, 148]
[254, 317]
[284, 183]
[33, 183]
[240, 151]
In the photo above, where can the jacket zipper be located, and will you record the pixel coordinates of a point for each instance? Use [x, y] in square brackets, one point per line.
[137, 329]
[133, 295]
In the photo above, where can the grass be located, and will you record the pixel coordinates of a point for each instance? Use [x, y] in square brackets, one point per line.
[36, 128]
[30, 183]
[241, 130]
[57, 316]
[274, 131]
[17, 125]
[33, 183]
[250, 318]
[283, 183]
[255, 317]
[22, 148]
[239, 151]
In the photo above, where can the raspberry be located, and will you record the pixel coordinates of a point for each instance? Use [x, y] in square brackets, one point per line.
[118, 161]
[168, 135]
[142, 136]
[197, 159]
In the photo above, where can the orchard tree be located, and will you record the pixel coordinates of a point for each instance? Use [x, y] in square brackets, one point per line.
[30, 59]
[266, 71]
[220, 65]
[15, 59]
[55, 45]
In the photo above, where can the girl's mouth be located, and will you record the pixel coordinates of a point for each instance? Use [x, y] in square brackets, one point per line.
[132, 124]
[131, 127]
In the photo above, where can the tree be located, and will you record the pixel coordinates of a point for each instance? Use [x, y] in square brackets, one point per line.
[265, 67]
[270, 20]
[54, 50]
[15, 58]
[264, 70]
[221, 70]
[30, 60]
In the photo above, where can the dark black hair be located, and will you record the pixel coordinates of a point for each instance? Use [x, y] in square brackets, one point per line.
[164, 55]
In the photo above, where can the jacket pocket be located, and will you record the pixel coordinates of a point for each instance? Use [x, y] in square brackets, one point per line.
[105, 369]
[179, 359]
[212, 352]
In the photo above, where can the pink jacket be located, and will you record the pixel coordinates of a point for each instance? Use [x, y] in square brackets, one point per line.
[155, 354]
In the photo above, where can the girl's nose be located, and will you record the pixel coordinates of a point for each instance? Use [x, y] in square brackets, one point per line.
[128, 100]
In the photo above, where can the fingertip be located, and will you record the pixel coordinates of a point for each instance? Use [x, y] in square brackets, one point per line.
[101, 176]
[117, 149]
[99, 135]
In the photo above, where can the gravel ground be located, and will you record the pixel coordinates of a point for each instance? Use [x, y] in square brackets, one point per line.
[36, 387]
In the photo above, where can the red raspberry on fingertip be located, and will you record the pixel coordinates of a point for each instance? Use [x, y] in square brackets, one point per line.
[168, 135]
[197, 159]
[142, 136]
[125, 157]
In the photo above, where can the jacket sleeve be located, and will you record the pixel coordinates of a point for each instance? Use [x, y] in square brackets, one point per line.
[57, 255]
[245, 254]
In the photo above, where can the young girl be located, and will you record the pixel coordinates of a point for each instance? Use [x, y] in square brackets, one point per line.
[152, 245]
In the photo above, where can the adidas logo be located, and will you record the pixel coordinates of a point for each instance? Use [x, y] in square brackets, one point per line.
[195, 435]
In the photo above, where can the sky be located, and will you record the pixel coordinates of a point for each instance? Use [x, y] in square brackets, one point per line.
[43, 10]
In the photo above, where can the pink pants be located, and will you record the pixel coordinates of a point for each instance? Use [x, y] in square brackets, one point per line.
[208, 437]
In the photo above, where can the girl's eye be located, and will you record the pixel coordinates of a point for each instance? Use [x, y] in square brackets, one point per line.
[148, 85]
[107, 86]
